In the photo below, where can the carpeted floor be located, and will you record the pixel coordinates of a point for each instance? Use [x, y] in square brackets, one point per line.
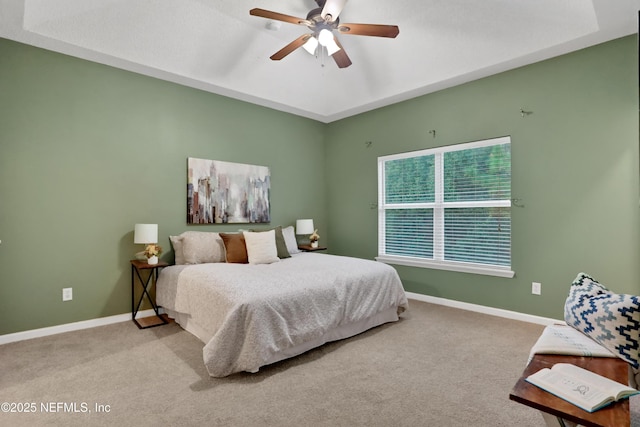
[437, 366]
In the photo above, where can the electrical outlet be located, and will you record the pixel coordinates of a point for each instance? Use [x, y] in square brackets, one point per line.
[67, 294]
[536, 288]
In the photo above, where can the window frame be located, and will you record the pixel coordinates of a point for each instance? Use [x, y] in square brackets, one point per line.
[438, 206]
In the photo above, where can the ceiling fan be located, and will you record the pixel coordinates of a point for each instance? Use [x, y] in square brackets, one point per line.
[322, 21]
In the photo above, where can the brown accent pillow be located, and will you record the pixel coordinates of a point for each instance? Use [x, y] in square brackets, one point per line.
[235, 248]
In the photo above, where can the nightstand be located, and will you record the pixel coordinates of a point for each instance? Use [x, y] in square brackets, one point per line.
[137, 269]
[308, 248]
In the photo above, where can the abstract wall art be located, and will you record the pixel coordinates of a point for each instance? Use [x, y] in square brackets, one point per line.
[223, 192]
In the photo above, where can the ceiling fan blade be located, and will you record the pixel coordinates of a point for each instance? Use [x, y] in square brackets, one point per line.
[341, 57]
[290, 47]
[376, 30]
[278, 16]
[333, 8]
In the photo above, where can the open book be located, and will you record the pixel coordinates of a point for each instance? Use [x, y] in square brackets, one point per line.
[583, 388]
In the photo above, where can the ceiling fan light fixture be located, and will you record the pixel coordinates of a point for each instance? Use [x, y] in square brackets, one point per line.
[325, 37]
[332, 47]
[311, 45]
[322, 21]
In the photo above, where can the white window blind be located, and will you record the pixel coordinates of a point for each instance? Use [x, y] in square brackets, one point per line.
[448, 207]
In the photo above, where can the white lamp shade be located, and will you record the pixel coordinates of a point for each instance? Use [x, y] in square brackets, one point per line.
[145, 233]
[311, 45]
[304, 226]
[332, 47]
[325, 37]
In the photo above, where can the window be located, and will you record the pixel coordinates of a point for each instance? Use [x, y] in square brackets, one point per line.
[447, 208]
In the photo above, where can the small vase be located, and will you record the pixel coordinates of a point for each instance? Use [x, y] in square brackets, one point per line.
[314, 244]
[152, 260]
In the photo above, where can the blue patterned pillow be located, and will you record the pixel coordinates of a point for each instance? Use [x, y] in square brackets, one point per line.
[612, 320]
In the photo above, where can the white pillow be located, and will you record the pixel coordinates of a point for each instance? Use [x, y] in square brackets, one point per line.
[290, 240]
[261, 247]
[201, 247]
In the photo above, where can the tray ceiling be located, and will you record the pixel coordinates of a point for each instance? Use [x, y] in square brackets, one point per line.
[216, 46]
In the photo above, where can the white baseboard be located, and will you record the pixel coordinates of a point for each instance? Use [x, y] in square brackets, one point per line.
[102, 321]
[69, 327]
[514, 315]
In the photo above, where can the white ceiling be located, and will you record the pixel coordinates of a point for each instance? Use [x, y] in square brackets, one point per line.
[215, 45]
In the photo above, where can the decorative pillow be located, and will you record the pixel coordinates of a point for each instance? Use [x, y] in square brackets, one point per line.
[261, 247]
[289, 235]
[176, 242]
[235, 248]
[610, 319]
[281, 245]
[200, 246]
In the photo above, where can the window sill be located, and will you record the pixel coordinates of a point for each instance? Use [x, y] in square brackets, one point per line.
[447, 265]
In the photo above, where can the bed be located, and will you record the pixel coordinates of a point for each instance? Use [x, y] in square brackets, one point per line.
[252, 315]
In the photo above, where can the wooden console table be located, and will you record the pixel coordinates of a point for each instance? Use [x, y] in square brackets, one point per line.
[556, 410]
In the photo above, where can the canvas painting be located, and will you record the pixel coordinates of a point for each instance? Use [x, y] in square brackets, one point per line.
[223, 192]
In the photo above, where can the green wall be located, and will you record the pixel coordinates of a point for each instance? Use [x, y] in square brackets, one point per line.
[574, 166]
[87, 151]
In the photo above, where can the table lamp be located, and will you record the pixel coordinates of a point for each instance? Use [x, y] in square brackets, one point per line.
[305, 226]
[146, 234]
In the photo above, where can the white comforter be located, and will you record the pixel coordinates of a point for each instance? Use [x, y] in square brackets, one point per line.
[252, 313]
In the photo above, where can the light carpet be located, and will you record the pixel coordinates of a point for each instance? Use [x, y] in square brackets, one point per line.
[437, 366]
